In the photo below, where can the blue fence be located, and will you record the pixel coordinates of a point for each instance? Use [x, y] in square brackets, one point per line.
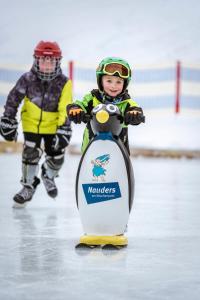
[151, 87]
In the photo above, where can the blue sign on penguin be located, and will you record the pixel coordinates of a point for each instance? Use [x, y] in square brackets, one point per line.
[99, 192]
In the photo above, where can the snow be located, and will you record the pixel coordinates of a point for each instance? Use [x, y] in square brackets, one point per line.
[143, 32]
[162, 130]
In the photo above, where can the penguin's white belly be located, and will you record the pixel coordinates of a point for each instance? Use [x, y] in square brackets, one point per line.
[103, 190]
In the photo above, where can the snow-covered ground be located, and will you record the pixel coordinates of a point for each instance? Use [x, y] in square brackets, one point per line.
[162, 130]
[166, 130]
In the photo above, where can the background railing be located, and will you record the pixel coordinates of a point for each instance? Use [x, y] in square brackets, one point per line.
[173, 86]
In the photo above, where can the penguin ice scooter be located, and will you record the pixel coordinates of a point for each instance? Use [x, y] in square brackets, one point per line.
[105, 182]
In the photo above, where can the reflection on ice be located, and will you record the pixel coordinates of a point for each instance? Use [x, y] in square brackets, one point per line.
[37, 255]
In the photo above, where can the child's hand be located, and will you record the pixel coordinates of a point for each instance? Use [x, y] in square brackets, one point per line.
[76, 114]
[134, 116]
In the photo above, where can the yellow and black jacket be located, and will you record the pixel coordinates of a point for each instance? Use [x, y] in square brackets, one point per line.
[44, 102]
[95, 97]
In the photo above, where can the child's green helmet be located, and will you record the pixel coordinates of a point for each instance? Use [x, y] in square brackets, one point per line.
[114, 66]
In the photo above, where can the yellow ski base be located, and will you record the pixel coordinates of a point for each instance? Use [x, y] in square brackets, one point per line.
[118, 240]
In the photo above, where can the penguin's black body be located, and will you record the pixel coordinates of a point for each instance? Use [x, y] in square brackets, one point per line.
[105, 181]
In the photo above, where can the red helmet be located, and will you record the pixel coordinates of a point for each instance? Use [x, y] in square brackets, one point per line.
[47, 49]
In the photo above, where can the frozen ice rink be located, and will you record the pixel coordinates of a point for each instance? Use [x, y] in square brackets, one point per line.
[37, 255]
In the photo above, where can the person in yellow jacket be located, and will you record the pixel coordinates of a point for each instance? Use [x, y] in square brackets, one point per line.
[45, 92]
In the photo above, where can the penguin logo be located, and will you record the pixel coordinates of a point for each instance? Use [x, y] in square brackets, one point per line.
[98, 170]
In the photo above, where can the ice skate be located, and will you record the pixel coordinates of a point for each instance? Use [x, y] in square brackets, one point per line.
[49, 184]
[18, 205]
[25, 194]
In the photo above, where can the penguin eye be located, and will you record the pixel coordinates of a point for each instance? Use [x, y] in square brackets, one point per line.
[97, 108]
[111, 108]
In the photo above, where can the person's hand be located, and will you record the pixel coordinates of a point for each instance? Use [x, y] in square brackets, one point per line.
[134, 116]
[62, 137]
[8, 128]
[76, 114]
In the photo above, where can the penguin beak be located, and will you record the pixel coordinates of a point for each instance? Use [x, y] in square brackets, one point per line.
[102, 116]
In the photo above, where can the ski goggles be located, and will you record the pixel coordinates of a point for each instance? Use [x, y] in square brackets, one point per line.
[113, 68]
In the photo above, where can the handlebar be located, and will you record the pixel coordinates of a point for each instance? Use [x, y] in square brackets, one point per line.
[88, 117]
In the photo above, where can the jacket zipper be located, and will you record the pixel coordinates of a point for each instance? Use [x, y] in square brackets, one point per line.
[44, 91]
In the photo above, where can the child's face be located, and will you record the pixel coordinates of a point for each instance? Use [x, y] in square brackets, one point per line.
[47, 64]
[112, 85]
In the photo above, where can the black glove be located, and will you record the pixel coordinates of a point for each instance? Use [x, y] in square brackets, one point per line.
[134, 116]
[62, 137]
[8, 128]
[76, 114]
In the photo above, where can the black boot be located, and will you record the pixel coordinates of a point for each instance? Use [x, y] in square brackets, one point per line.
[27, 192]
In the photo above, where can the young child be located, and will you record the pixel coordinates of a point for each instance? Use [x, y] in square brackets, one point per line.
[113, 76]
[45, 92]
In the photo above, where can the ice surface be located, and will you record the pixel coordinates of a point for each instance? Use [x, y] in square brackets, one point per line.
[37, 255]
